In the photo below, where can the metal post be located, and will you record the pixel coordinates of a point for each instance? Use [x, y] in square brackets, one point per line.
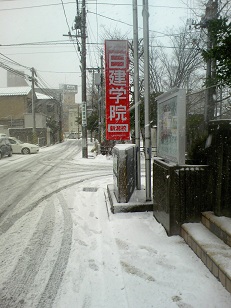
[101, 105]
[148, 149]
[136, 94]
[210, 100]
[99, 111]
[78, 120]
[84, 88]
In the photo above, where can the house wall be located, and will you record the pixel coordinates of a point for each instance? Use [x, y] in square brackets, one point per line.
[73, 116]
[13, 107]
[4, 130]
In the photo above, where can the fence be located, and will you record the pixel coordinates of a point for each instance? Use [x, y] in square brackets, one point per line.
[26, 134]
[220, 160]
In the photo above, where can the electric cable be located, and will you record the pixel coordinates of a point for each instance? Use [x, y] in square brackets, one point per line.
[14, 62]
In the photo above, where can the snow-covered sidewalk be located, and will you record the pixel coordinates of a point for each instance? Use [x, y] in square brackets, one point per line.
[127, 260]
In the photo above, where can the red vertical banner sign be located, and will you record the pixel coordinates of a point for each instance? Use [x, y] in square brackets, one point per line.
[117, 90]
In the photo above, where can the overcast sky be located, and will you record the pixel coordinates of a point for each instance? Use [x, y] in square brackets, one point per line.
[29, 21]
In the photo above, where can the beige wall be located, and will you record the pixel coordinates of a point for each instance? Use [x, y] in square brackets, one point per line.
[13, 106]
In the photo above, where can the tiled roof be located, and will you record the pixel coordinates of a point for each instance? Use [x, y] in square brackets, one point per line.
[13, 91]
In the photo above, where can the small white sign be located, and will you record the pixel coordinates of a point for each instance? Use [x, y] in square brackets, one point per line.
[84, 114]
[69, 87]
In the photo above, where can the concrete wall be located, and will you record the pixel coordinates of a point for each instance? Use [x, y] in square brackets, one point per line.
[4, 130]
[26, 135]
[40, 120]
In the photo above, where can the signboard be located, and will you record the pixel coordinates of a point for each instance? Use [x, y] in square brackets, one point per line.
[171, 122]
[97, 79]
[117, 90]
[69, 87]
[84, 114]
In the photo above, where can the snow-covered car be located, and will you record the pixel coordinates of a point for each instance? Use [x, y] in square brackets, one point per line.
[20, 147]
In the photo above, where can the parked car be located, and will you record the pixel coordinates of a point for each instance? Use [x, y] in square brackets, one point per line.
[5, 147]
[20, 147]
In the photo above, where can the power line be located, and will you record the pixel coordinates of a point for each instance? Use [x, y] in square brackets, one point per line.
[190, 8]
[59, 72]
[92, 34]
[35, 6]
[22, 74]
[16, 72]
[69, 32]
[66, 17]
[46, 88]
[42, 52]
[89, 3]
[122, 22]
[14, 62]
[59, 42]
[89, 51]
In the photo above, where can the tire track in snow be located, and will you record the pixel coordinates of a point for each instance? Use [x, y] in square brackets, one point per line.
[5, 226]
[15, 198]
[32, 178]
[50, 292]
[17, 286]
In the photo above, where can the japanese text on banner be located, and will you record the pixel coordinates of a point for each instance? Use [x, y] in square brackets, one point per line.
[117, 90]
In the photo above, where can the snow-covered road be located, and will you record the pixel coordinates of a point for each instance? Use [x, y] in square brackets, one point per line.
[36, 224]
[61, 247]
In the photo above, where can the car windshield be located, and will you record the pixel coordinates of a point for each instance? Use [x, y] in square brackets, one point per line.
[18, 141]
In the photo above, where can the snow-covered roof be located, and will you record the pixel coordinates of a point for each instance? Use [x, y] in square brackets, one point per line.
[13, 91]
[43, 96]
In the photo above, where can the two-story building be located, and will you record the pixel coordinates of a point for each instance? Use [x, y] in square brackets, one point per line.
[14, 103]
[16, 113]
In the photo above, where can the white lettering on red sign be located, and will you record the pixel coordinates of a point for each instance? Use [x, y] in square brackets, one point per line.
[117, 90]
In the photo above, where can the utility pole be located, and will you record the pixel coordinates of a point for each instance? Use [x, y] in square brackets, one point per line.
[84, 87]
[148, 149]
[136, 94]
[33, 104]
[80, 24]
[210, 101]
[60, 118]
